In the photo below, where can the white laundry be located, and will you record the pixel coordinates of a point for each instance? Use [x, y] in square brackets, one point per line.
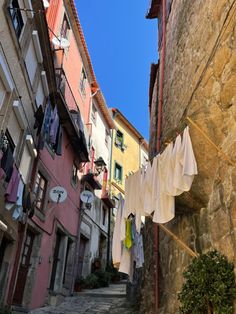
[126, 263]
[185, 163]
[116, 242]
[149, 188]
[165, 204]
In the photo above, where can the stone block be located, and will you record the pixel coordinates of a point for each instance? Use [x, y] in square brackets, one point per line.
[219, 225]
[228, 92]
[221, 58]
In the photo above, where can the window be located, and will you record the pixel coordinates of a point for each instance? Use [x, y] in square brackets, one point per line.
[65, 27]
[83, 80]
[10, 142]
[107, 134]
[74, 177]
[118, 173]
[40, 190]
[16, 17]
[119, 140]
[94, 114]
[104, 215]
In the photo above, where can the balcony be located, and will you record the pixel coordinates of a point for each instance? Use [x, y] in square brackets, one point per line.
[106, 198]
[92, 180]
[70, 115]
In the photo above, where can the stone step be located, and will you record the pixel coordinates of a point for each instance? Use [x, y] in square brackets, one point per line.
[19, 310]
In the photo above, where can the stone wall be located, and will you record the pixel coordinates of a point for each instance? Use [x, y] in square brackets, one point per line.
[200, 82]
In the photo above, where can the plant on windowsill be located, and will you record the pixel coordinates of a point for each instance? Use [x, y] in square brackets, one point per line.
[209, 286]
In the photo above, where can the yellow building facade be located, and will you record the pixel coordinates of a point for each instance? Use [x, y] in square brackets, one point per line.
[129, 152]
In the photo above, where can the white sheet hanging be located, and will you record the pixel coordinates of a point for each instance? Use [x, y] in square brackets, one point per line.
[165, 204]
[116, 242]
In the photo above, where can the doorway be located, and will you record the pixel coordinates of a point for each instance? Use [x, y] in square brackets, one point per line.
[82, 247]
[4, 265]
[24, 268]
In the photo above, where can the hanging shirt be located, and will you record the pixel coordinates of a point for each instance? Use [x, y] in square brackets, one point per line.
[54, 126]
[128, 234]
[116, 241]
[138, 250]
[12, 187]
[185, 163]
[7, 163]
[8, 205]
[39, 116]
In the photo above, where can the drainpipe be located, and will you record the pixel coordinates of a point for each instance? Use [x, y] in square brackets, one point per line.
[159, 126]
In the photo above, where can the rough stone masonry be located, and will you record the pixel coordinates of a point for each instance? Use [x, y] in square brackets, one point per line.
[200, 83]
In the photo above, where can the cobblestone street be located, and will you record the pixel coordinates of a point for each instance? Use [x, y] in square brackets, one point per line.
[104, 300]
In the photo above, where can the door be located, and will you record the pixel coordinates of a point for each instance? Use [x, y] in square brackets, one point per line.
[4, 264]
[56, 260]
[82, 246]
[24, 268]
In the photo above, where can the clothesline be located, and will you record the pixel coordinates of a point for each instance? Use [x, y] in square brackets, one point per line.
[180, 242]
[179, 130]
[224, 155]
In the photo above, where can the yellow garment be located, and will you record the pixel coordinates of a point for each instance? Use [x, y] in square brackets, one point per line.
[128, 234]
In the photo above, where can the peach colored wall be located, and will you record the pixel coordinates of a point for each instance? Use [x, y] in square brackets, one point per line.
[72, 63]
[66, 213]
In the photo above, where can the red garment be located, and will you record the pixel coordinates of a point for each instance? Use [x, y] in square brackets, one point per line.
[12, 188]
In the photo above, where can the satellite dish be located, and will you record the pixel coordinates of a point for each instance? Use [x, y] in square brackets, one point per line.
[61, 42]
[17, 213]
[58, 194]
[46, 4]
[87, 197]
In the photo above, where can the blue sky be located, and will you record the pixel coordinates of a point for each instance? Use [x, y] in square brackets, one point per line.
[122, 44]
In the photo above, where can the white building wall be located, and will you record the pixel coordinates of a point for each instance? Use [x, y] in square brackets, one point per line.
[94, 215]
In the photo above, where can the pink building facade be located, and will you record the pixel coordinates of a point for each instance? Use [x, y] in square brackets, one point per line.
[69, 132]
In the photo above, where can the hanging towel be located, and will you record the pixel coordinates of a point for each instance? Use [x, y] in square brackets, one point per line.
[126, 264]
[116, 241]
[12, 187]
[165, 204]
[8, 205]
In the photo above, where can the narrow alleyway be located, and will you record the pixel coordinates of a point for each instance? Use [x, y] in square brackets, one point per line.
[104, 300]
